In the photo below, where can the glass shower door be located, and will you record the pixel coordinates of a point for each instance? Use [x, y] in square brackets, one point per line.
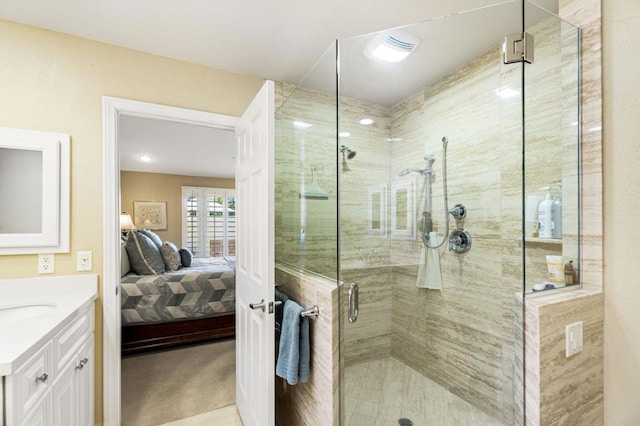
[430, 225]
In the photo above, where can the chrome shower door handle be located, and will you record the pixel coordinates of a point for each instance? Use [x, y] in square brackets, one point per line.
[353, 302]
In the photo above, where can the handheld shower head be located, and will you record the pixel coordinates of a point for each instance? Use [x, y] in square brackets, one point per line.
[429, 159]
[414, 170]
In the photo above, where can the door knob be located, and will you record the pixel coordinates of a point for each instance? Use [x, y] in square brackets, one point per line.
[260, 305]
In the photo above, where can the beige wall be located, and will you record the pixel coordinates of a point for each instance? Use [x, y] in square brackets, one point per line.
[136, 186]
[621, 21]
[55, 82]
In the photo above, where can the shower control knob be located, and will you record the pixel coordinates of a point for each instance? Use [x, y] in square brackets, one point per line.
[459, 212]
[459, 241]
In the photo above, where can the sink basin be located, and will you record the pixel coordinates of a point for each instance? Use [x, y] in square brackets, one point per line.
[19, 312]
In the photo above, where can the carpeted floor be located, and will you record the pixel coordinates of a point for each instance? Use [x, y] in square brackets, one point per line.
[165, 386]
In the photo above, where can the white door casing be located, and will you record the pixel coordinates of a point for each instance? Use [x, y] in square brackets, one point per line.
[112, 108]
[255, 336]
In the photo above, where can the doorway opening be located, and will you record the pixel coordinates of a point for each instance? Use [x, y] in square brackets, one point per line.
[163, 216]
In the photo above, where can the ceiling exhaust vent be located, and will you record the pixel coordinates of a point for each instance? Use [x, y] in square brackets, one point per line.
[394, 46]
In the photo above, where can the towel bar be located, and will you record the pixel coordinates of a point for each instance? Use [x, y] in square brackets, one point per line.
[312, 312]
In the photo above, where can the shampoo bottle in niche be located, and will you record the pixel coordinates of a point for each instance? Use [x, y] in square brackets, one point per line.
[544, 215]
[556, 215]
[570, 274]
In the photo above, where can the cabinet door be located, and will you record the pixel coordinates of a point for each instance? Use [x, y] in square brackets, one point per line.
[42, 413]
[84, 384]
[73, 390]
[64, 397]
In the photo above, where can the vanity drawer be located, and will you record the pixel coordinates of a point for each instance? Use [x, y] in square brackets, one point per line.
[29, 383]
[67, 342]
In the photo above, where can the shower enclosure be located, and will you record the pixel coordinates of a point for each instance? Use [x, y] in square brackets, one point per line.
[432, 273]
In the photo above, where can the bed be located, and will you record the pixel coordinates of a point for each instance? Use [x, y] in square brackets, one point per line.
[192, 304]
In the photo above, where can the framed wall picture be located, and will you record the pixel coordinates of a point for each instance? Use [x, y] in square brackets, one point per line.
[150, 214]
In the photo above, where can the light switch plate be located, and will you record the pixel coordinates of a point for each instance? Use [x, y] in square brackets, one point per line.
[85, 261]
[573, 339]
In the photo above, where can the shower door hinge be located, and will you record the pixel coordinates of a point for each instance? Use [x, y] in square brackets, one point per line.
[518, 48]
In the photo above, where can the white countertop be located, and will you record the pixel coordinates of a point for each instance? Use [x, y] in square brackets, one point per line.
[20, 339]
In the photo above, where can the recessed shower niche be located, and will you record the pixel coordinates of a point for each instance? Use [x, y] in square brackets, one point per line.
[433, 354]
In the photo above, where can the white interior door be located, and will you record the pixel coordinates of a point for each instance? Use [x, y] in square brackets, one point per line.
[255, 337]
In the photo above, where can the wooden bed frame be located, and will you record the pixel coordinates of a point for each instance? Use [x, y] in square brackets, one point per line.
[148, 337]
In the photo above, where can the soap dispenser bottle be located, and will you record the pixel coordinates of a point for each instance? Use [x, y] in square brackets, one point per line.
[544, 214]
[556, 214]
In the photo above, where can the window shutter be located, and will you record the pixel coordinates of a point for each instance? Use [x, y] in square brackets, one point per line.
[209, 221]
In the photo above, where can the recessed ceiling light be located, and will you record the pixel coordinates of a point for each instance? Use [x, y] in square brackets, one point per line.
[393, 139]
[366, 121]
[506, 92]
[145, 158]
[391, 47]
[344, 134]
[301, 125]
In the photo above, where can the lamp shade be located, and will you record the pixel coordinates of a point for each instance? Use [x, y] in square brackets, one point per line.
[126, 223]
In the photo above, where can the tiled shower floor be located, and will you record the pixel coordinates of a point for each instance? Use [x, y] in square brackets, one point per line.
[380, 392]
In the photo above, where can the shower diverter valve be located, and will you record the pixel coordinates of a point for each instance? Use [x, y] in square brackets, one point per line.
[459, 241]
[459, 212]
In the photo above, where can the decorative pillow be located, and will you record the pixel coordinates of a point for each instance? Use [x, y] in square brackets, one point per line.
[125, 265]
[144, 255]
[170, 255]
[154, 237]
[185, 257]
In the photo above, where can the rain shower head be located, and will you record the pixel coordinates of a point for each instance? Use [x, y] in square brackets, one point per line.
[346, 151]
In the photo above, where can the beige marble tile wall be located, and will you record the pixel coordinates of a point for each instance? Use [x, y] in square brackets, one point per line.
[369, 337]
[441, 333]
[317, 401]
[561, 390]
[306, 229]
[586, 14]
[364, 252]
[361, 247]
[551, 134]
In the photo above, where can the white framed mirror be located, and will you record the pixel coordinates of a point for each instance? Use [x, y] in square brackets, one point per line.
[377, 209]
[34, 192]
[402, 209]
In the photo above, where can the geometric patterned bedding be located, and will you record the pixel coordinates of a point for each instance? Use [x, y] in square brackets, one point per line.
[207, 288]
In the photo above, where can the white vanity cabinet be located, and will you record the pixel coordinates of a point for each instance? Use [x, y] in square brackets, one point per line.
[54, 387]
[73, 388]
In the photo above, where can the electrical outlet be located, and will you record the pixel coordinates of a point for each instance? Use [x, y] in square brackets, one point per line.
[46, 263]
[573, 339]
[85, 261]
